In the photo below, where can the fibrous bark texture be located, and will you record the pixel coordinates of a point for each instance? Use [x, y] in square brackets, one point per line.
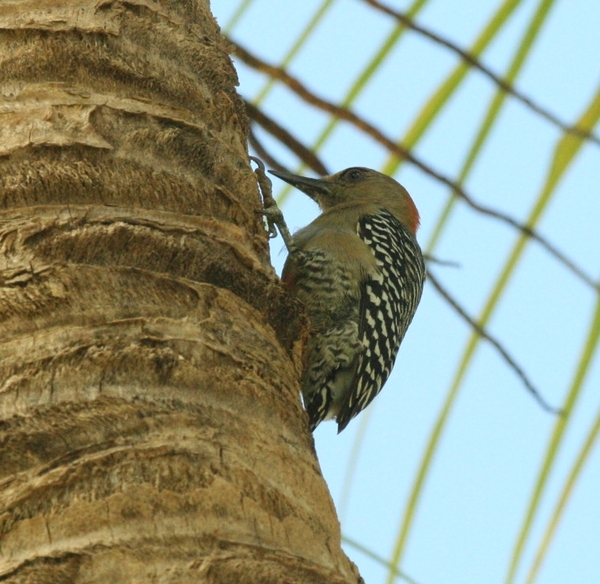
[150, 424]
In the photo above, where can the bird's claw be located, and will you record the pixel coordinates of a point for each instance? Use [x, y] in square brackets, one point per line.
[270, 210]
[274, 217]
[264, 183]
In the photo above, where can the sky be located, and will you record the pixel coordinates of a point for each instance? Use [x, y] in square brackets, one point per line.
[495, 437]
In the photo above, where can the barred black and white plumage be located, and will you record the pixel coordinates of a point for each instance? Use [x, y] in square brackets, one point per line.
[388, 303]
[359, 272]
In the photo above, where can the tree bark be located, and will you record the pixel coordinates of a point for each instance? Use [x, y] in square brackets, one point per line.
[150, 422]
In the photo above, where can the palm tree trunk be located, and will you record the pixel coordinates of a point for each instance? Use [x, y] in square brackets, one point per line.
[150, 424]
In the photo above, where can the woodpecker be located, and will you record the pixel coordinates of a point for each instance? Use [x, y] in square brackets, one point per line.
[359, 272]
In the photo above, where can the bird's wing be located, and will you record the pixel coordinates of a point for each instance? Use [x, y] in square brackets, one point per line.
[389, 300]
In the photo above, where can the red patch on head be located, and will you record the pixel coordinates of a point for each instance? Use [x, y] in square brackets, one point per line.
[413, 219]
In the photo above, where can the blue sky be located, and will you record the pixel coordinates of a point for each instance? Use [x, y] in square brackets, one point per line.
[486, 465]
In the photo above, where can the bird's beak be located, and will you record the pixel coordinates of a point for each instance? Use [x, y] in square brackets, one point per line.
[313, 187]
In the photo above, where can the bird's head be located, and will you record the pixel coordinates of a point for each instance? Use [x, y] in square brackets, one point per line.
[357, 185]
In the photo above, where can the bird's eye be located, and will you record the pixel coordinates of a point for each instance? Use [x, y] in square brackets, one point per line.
[353, 174]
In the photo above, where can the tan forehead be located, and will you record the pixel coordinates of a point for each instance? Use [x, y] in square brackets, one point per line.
[369, 173]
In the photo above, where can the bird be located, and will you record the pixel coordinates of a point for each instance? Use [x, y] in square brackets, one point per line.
[359, 272]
